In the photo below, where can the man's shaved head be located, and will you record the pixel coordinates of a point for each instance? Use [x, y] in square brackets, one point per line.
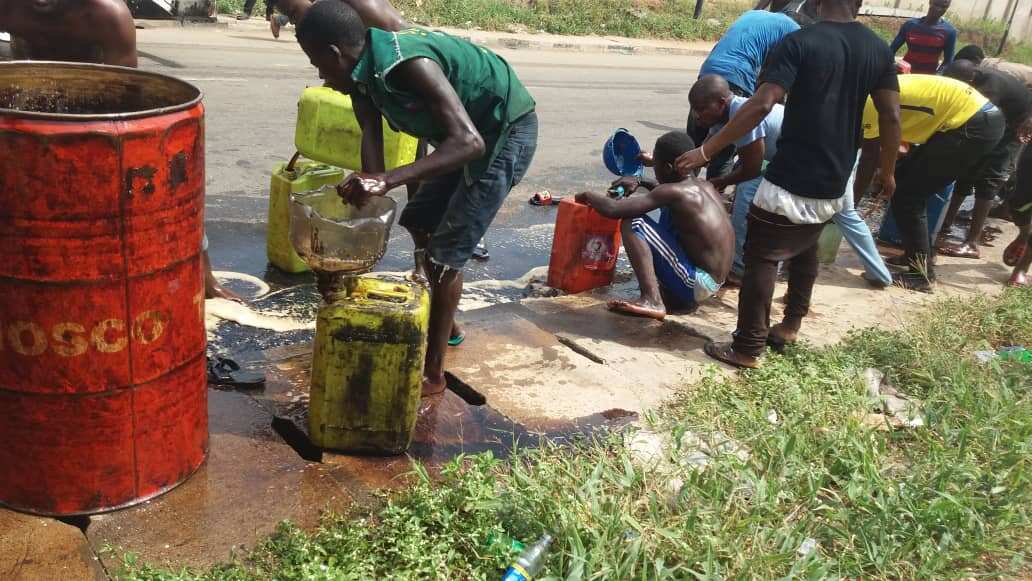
[962, 69]
[707, 89]
[709, 98]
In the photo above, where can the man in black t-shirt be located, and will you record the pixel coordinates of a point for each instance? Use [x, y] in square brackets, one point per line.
[828, 70]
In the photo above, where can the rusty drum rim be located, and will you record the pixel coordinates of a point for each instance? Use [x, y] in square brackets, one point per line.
[4, 112]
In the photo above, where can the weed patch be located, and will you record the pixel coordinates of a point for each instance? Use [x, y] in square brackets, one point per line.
[820, 495]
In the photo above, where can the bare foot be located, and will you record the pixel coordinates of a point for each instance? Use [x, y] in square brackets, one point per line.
[214, 290]
[457, 335]
[1018, 279]
[639, 308]
[433, 387]
[725, 353]
[732, 281]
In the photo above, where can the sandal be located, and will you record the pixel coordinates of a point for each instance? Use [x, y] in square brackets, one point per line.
[1014, 252]
[961, 251]
[544, 198]
[725, 353]
[224, 371]
[456, 340]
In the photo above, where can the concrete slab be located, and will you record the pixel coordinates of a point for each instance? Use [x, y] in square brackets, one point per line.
[34, 548]
[528, 375]
[251, 482]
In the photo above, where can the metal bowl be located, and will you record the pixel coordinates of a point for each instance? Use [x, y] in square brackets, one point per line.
[334, 237]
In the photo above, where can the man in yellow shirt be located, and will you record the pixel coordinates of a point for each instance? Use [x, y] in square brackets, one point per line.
[953, 127]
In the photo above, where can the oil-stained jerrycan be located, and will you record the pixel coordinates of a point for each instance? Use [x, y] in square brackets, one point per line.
[293, 177]
[367, 369]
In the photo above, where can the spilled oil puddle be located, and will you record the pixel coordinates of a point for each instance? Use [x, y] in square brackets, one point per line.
[447, 425]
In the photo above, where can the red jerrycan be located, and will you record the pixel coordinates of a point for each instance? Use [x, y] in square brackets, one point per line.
[584, 248]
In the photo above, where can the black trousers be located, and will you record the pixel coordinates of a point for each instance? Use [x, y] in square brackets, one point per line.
[943, 159]
[770, 239]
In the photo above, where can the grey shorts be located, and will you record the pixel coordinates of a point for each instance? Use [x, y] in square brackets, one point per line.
[457, 214]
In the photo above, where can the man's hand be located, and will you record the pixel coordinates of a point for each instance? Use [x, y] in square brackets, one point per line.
[888, 187]
[590, 198]
[646, 159]
[630, 184]
[1024, 131]
[359, 187]
[690, 160]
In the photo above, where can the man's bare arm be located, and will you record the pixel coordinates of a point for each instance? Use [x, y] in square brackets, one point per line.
[378, 14]
[371, 122]
[631, 206]
[751, 157]
[462, 144]
[887, 104]
[869, 161]
[115, 30]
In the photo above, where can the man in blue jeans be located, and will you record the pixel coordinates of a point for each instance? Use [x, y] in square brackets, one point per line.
[711, 98]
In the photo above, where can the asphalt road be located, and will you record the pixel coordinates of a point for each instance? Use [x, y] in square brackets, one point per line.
[251, 84]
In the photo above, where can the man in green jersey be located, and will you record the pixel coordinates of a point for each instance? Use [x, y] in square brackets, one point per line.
[467, 102]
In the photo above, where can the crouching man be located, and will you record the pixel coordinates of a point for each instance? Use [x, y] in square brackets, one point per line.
[683, 257]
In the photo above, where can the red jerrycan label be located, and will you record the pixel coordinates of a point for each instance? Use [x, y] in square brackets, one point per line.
[598, 251]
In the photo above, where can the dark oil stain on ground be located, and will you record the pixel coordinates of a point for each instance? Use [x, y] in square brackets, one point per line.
[447, 426]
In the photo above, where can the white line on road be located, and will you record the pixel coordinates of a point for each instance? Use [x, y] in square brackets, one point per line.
[213, 79]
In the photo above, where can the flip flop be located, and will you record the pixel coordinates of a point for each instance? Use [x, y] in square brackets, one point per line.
[226, 372]
[1017, 282]
[962, 251]
[456, 340]
[626, 308]
[725, 354]
[1014, 252]
[544, 198]
[481, 253]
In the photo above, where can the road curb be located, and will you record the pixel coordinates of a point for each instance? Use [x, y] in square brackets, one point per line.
[529, 41]
[152, 23]
[492, 41]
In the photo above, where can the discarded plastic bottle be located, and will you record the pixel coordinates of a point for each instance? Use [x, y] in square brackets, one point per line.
[1015, 353]
[505, 541]
[530, 561]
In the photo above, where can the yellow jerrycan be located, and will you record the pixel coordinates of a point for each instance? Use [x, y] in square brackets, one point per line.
[289, 178]
[327, 131]
[367, 368]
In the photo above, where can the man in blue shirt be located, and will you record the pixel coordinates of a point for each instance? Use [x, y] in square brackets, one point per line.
[740, 53]
[929, 39]
[738, 57]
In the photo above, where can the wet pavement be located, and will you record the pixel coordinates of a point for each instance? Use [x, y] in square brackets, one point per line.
[35, 548]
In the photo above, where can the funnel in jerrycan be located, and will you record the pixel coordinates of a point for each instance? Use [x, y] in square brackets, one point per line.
[337, 238]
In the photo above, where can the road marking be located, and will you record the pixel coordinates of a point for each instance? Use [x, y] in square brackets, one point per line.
[215, 79]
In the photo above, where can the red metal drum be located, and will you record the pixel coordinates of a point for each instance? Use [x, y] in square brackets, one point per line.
[103, 393]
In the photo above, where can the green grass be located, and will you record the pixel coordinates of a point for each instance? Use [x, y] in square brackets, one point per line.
[950, 501]
[659, 19]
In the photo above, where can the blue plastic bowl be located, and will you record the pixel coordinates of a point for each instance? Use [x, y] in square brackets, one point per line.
[620, 154]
